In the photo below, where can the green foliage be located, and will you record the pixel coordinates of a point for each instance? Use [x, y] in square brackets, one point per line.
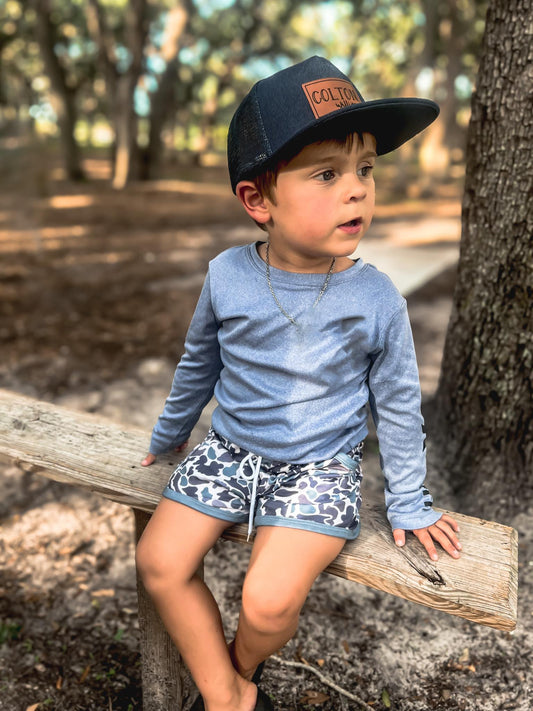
[9, 631]
[224, 47]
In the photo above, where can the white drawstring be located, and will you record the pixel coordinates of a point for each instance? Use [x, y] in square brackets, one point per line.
[256, 470]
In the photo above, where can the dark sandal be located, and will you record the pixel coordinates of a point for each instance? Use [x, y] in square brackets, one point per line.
[258, 673]
[263, 702]
[198, 704]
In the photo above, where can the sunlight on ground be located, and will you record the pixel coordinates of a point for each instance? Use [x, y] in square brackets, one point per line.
[29, 240]
[102, 258]
[187, 187]
[66, 202]
[413, 208]
[97, 169]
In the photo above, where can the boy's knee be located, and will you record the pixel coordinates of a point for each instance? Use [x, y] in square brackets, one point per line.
[150, 564]
[143, 560]
[162, 566]
[269, 609]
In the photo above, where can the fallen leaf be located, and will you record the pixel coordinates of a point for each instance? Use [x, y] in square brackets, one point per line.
[385, 698]
[455, 666]
[84, 674]
[346, 646]
[465, 656]
[59, 683]
[103, 593]
[33, 707]
[320, 662]
[313, 697]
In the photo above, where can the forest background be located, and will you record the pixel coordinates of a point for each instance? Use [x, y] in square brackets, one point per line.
[153, 80]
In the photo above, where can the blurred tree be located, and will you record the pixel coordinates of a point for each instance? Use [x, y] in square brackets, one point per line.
[8, 34]
[453, 30]
[483, 428]
[223, 42]
[151, 71]
[163, 99]
[122, 80]
[62, 90]
[425, 48]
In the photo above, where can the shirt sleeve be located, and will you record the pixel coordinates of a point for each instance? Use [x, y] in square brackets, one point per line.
[395, 405]
[194, 380]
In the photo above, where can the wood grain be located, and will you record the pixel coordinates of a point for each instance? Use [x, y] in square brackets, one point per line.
[103, 457]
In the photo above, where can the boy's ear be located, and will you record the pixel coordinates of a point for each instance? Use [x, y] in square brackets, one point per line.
[253, 202]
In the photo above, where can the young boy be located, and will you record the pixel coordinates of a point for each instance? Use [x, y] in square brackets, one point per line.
[294, 338]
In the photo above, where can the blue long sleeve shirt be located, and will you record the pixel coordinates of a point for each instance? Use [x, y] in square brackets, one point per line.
[300, 393]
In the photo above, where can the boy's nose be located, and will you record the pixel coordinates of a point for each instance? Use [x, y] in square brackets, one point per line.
[355, 188]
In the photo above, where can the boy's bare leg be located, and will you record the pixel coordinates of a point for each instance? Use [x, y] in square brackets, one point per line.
[168, 555]
[283, 566]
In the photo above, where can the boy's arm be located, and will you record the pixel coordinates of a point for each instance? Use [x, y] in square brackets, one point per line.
[193, 384]
[395, 406]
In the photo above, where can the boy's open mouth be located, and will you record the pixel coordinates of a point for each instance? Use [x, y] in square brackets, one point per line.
[351, 224]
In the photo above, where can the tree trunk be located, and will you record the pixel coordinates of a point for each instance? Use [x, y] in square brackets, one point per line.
[125, 130]
[483, 427]
[125, 119]
[163, 101]
[443, 27]
[62, 97]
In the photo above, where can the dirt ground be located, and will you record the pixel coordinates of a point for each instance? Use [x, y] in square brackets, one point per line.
[96, 290]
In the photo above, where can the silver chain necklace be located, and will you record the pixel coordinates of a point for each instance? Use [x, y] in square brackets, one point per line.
[320, 294]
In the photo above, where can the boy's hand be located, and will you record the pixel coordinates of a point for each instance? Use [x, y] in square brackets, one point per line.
[443, 531]
[150, 458]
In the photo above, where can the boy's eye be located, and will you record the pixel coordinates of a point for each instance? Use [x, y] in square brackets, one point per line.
[366, 171]
[326, 175]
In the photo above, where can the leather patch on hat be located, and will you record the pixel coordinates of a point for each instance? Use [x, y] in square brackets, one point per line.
[328, 95]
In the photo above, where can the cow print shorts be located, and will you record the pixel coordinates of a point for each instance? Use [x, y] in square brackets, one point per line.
[223, 480]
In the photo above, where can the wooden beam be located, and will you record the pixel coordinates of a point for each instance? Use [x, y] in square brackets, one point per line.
[161, 665]
[103, 457]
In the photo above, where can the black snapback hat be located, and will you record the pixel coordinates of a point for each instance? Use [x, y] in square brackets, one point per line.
[311, 97]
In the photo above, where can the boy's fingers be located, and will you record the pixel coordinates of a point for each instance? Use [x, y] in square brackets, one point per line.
[442, 532]
[445, 538]
[426, 540]
[453, 523]
[449, 532]
[399, 536]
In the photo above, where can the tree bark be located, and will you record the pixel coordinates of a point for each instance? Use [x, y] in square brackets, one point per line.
[443, 28]
[163, 101]
[483, 415]
[125, 119]
[62, 96]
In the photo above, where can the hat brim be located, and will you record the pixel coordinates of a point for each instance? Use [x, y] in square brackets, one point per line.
[392, 122]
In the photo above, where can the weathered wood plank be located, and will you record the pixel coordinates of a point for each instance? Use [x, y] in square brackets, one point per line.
[161, 663]
[103, 457]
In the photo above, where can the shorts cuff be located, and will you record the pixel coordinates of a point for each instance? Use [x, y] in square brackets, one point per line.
[169, 493]
[304, 525]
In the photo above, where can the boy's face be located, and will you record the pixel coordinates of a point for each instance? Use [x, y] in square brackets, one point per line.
[322, 204]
